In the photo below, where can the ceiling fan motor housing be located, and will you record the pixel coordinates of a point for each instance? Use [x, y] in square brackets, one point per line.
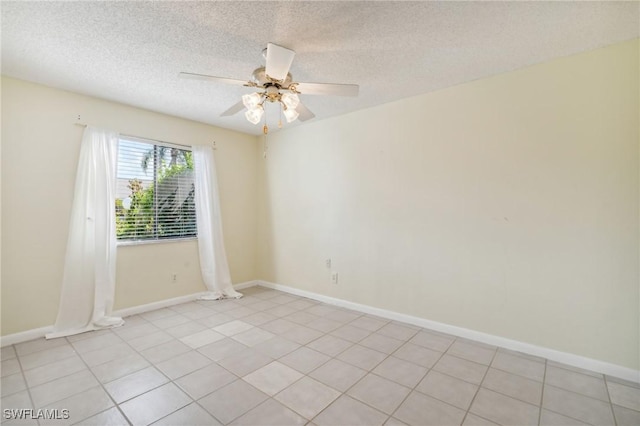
[259, 77]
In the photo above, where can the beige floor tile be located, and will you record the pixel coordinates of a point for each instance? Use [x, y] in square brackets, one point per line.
[273, 378]
[330, 345]
[380, 393]
[215, 320]
[624, 396]
[44, 357]
[233, 327]
[362, 357]
[253, 336]
[110, 353]
[201, 338]
[419, 409]
[258, 318]
[304, 359]
[515, 386]
[170, 321]
[381, 343]
[338, 374]
[350, 333]
[62, 388]
[144, 342]
[185, 329]
[270, 413]
[232, 401]
[348, 411]
[276, 347]
[461, 368]
[54, 370]
[135, 384]
[12, 384]
[165, 351]
[101, 341]
[7, 352]
[138, 329]
[83, 405]
[369, 323]
[117, 368]
[245, 362]
[38, 345]
[398, 331]
[183, 364]
[518, 365]
[222, 349]
[433, 341]
[204, 381]
[586, 409]
[448, 389]
[307, 397]
[190, 415]
[324, 325]
[549, 418]
[472, 352]
[154, 405]
[625, 416]
[473, 420]
[577, 382]
[418, 355]
[110, 417]
[503, 409]
[403, 372]
[301, 334]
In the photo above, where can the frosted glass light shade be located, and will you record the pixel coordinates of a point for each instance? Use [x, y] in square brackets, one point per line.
[290, 114]
[290, 100]
[252, 100]
[254, 115]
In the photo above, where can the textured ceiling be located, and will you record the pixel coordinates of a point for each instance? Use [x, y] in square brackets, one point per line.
[132, 52]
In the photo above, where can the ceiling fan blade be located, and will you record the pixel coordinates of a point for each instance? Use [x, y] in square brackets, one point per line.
[279, 61]
[233, 110]
[212, 78]
[327, 89]
[305, 113]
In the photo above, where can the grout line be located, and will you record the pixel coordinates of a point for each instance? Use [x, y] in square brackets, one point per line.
[495, 353]
[544, 380]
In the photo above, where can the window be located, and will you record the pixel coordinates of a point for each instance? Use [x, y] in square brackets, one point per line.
[155, 191]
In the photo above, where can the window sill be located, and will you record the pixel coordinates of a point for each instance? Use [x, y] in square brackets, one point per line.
[126, 243]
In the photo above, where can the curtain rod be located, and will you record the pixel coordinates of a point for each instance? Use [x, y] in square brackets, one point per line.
[78, 123]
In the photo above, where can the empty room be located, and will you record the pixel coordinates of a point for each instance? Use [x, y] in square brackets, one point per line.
[320, 213]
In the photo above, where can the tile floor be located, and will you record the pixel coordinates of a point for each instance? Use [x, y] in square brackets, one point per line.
[271, 358]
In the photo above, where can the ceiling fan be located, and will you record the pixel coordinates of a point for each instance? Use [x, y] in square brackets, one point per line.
[275, 84]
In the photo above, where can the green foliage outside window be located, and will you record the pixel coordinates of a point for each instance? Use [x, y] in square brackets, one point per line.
[166, 207]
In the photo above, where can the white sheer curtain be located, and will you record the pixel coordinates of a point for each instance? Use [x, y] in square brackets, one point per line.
[88, 283]
[213, 258]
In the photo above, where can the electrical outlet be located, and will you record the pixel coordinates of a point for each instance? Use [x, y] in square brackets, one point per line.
[334, 277]
[328, 263]
[174, 278]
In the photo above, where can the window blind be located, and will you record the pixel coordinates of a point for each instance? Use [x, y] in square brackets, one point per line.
[155, 191]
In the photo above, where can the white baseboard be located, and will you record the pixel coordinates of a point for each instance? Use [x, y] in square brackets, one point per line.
[246, 284]
[527, 348]
[25, 336]
[36, 333]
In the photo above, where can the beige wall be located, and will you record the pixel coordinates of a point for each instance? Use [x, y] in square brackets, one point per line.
[40, 148]
[508, 205]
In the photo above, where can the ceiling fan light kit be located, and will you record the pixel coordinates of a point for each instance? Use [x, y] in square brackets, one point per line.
[278, 86]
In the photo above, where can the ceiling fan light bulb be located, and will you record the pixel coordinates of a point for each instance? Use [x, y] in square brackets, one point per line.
[290, 100]
[254, 115]
[290, 114]
[251, 100]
